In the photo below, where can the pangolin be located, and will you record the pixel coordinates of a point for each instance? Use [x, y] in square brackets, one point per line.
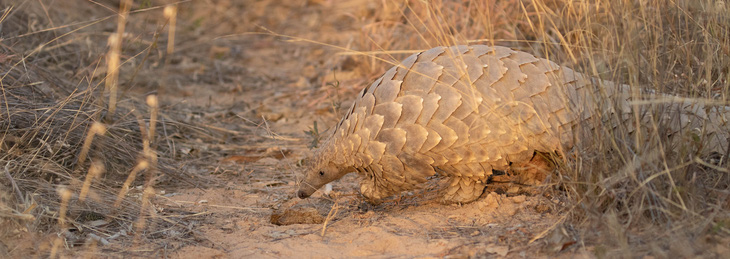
[464, 111]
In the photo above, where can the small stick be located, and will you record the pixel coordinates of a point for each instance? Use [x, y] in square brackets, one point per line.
[12, 182]
[333, 211]
[727, 153]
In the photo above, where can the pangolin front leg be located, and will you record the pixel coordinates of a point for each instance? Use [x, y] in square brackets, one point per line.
[533, 172]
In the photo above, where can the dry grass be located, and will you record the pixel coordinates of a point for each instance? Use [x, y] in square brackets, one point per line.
[629, 197]
[68, 146]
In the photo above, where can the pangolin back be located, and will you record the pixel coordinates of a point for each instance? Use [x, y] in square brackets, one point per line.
[466, 110]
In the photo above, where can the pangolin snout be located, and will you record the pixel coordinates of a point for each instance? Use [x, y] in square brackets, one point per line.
[305, 190]
[303, 194]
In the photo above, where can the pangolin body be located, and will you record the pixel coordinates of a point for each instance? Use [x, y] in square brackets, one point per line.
[467, 110]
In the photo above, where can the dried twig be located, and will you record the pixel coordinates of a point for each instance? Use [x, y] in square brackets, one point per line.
[12, 182]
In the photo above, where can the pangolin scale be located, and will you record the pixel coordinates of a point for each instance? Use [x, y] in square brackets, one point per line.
[464, 111]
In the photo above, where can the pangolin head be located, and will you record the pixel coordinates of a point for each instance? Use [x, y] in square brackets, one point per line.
[320, 172]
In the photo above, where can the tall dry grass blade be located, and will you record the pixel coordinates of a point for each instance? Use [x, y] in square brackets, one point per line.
[97, 168]
[6, 12]
[57, 243]
[96, 129]
[144, 133]
[154, 109]
[150, 163]
[170, 13]
[112, 74]
[113, 56]
[143, 214]
[141, 165]
[65, 195]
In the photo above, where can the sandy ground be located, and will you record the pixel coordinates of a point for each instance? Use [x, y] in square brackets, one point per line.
[267, 94]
